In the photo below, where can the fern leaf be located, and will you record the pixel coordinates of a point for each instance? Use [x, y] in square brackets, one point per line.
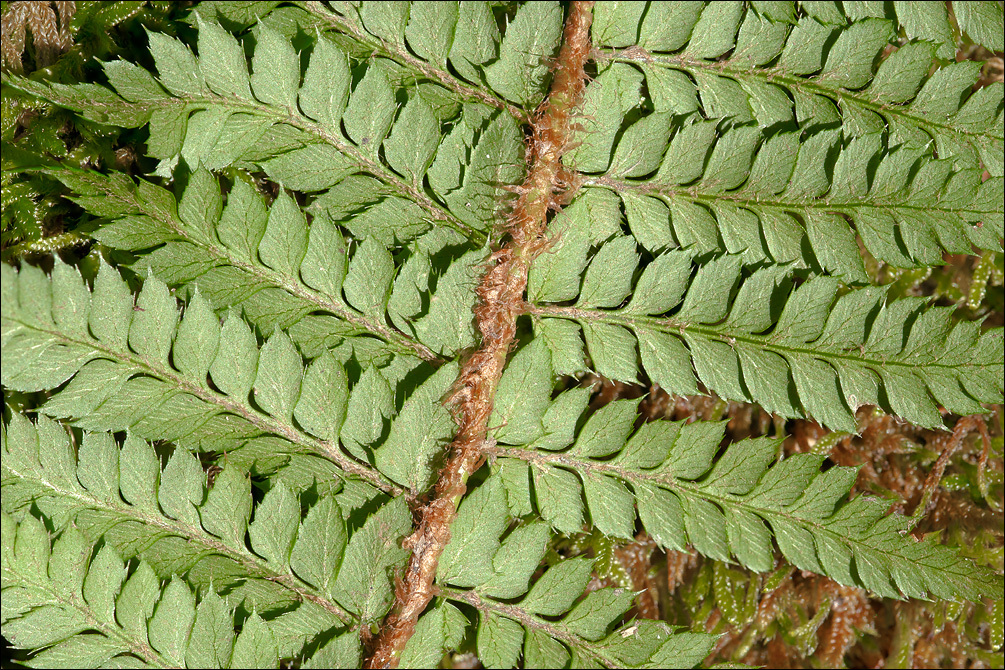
[771, 197]
[128, 355]
[466, 37]
[265, 261]
[550, 623]
[163, 516]
[215, 114]
[733, 505]
[166, 517]
[981, 21]
[54, 591]
[733, 206]
[822, 357]
[782, 71]
[903, 220]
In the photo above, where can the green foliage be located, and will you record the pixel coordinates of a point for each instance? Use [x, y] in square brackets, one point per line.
[778, 346]
[202, 385]
[686, 496]
[35, 217]
[499, 571]
[242, 394]
[310, 137]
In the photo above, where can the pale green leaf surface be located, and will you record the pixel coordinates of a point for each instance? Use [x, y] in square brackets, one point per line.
[437, 632]
[531, 38]
[419, 434]
[364, 582]
[734, 503]
[523, 396]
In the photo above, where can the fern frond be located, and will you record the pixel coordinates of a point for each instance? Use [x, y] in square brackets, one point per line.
[774, 196]
[544, 623]
[728, 506]
[167, 518]
[980, 21]
[140, 368]
[795, 351]
[281, 273]
[454, 45]
[816, 71]
[624, 27]
[436, 40]
[162, 516]
[310, 392]
[79, 608]
[211, 113]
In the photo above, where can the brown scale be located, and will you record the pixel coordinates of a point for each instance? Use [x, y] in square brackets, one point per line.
[885, 450]
[636, 558]
[679, 565]
[934, 649]
[804, 436]
[949, 507]
[850, 613]
[49, 23]
[500, 293]
[949, 645]
[779, 655]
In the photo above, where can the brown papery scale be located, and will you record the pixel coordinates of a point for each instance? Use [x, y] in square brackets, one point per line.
[500, 301]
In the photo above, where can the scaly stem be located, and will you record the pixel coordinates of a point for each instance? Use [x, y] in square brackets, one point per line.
[500, 294]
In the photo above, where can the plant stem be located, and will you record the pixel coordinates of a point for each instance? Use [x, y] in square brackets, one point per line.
[500, 294]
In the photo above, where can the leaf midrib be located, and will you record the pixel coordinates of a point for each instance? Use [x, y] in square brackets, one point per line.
[254, 566]
[521, 616]
[135, 646]
[672, 326]
[263, 422]
[736, 196]
[403, 343]
[856, 545]
[290, 117]
[772, 75]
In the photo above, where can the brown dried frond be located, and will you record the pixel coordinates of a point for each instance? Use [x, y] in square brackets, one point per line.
[744, 419]
[607, 390]
[994, 68]
[911, 635]
[637, 561]
[957, 507]
[850, 613]
[679, 565]
[842, 615]
[49, 23]
[634, 563]
[887, 451]
[805, 435]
